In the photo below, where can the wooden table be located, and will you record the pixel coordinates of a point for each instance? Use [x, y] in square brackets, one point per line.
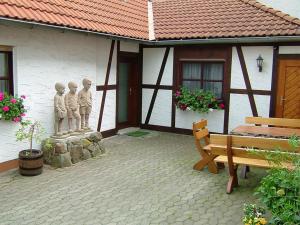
[259, 131]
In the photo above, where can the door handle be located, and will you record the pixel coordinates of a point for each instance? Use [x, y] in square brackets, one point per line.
[130, 91]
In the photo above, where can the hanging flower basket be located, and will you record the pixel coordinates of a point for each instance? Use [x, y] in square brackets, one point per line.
[11, 108]
[199, 101]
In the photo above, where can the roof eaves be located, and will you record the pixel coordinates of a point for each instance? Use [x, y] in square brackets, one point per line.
[275, 12]
[76, 29]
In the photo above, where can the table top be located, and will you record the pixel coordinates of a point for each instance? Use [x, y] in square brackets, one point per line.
[260, 131]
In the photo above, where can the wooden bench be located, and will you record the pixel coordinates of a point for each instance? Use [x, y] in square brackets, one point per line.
[234, 150]
[276, 122]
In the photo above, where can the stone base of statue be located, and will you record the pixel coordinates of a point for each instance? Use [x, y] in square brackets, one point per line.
[63, 152]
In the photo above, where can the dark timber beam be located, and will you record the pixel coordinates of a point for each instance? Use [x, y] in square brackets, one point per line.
[274, 81]
[247, 80]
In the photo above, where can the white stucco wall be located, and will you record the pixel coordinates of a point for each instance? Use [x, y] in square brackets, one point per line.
[129, 46]
[240, 108]
[289, 49]
[239, 104]
[152, 59]
[291, 7]
[162, 109]
[259, 80]
[43, 57]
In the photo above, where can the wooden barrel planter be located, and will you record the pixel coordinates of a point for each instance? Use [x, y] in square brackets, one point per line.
[30, 164]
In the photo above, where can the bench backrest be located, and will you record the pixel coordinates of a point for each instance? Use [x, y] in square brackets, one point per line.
[200, 131]
[241, 145]
[277, 122]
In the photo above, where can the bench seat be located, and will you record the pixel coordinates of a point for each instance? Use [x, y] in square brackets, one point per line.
[251, 162]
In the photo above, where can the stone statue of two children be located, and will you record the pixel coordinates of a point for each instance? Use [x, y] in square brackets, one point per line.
[72, 106]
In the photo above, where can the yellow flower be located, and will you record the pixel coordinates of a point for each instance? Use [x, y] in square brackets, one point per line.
[263, 221]
[281, 192]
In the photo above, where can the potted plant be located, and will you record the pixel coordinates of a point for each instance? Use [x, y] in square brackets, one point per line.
[199, 100]
[30, 160]
[12, 107]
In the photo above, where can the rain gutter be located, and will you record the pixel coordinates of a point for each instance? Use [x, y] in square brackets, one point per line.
[242, 40]
[239, 40]
[65, 28]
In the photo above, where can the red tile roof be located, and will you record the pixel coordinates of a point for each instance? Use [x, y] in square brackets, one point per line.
[173, 19]
[119, 17]
[185, 19]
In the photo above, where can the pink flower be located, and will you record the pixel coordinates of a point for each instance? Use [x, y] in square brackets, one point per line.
[23, 114]
[5, 108]
[23, 96]
[13, 100]
[1, 96]
[178, 93]
[182, 106]
[17, 119]
[221, 105]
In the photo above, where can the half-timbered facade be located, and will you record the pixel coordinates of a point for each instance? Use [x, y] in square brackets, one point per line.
[136, 66]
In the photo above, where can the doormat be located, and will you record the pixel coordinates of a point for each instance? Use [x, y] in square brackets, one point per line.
[137, 133]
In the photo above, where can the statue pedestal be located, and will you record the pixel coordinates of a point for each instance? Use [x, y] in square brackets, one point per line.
[62, 152]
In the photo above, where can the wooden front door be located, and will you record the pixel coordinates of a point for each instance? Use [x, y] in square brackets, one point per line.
[288, 89]
[128, 91]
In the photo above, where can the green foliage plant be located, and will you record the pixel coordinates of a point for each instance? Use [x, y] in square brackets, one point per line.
[280, 189]
[30, 131]
[199, 100]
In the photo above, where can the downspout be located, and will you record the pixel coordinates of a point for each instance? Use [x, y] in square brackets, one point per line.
[150, 21]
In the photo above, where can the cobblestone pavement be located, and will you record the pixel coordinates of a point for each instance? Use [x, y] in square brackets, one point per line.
[138, 181]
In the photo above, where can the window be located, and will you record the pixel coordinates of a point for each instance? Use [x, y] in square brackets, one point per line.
[203, 75]
[6, 77]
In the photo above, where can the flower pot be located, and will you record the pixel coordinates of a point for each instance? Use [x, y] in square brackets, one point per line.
[30, 164]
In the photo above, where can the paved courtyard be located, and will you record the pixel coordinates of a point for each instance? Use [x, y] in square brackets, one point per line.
[138, 181]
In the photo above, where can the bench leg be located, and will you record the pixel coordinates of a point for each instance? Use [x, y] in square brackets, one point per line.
[244, 171]
[208, 160]
[220, 165]
[233, 181]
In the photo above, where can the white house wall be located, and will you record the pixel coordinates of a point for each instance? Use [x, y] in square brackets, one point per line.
[239, 103]
[162, 109]
[109, 118]
[129, 46]
[287, 6]
[146, 99]
[289, 50]
[259, 80]
[152, 60]
[240, 108]
[43, 57]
